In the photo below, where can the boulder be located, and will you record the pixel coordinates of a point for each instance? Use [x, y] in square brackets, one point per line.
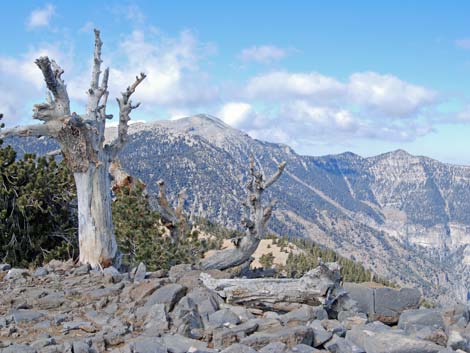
[288, 335]
[390, 341]
[383, 304]
[169, 295]
[456, 341]
[156, 321]
[20, 316]
[340, 345]
[16, 273]
[140, 272]
[224, 337]
[320, 335]
[390, 303]
[147, 345]
[275, 347]
[186, 319]
[414, 320]
[5, 267]
[298, 317]
[223, 317]
[19, 348]
[181, 344]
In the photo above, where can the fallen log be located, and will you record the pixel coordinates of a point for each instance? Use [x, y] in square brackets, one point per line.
[316, 287]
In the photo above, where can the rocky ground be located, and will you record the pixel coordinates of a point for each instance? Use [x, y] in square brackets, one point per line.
[67, 308]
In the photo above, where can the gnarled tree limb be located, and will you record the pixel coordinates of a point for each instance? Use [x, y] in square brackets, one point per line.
[313, 288]
[125, 108]
[254, 221]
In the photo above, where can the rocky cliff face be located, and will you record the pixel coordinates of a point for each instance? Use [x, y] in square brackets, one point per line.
[401, 215]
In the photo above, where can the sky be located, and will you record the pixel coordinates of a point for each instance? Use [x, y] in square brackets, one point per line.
[324, 77]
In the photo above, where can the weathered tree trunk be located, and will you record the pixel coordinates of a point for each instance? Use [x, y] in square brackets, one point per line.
[96, 233]
[314, 288]
[81, 139]
[255, 220]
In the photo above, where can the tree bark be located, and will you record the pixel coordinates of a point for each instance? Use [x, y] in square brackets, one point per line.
[96, 233]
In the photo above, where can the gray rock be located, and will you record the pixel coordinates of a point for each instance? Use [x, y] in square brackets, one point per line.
[320, 313]
[169, 295]
[181, 344]
[187, 319]
[432, 334]
[383, 304]
[148, 345]
[456, 341]
[238, 348]
[350, 319]
[19, 348]
[288, 335]
[178, 271]
[395, 342]
[243, 313]
[43, 342]
[82, 347]
[357, 335]
[413, 320]
[82, 270]
[303, 348]
[140, 273]
[340, 345]
[224, 337]
[275, 347]
[390, 303]
[112, 274]
[40, 272]
[26, 315]
[334, 327]
[50, 301]
[206, 301]
[16, 273]
[156, 321]
[298, 317]
[320, 335]
[223, 317]
[4, 267]
[78, 325]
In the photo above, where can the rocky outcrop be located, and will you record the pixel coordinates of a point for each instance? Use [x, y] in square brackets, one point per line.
[68, 309]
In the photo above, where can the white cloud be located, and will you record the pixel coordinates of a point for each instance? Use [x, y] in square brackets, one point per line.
[235, 113]
[262, 54]
[388, 94]
[285, 85]
[41, 17]
[384, 95]
[174, 77]
[463, 43]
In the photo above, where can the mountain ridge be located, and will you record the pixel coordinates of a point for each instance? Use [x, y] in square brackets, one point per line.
[402, 215]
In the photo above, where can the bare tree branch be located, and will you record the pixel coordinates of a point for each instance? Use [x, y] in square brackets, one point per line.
[125, 108]
[38, 130]
[97, 91]
[56, 107]
[272, 180]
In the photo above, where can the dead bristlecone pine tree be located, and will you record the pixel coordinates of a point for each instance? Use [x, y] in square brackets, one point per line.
[81, 139]
[254, 221]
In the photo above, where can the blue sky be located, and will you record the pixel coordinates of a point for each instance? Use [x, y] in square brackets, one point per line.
[324, 77]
